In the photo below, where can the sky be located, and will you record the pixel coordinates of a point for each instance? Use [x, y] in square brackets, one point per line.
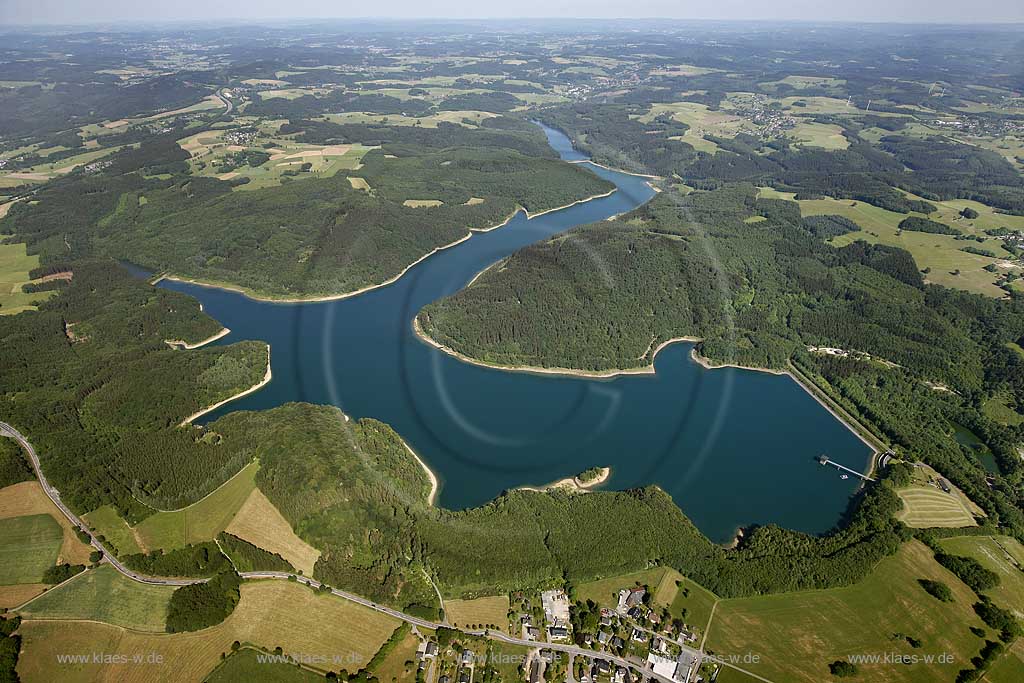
[104, 11]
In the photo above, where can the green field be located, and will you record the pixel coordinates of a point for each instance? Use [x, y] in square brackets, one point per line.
[487, 610]
[698, 603]
[201, 521]
[661, 581]
[243, 667]
[999, 554]
[107, 523]
[701, 121]
[727, 675]
[940, 253]
[15, 265]
[395, 665]
[824, 135]
[996, 408]
[104, 595]
[209, 149]
[797, 635]
[28, 547]
[1010, 667]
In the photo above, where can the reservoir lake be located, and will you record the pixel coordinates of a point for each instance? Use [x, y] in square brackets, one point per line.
[732, 447]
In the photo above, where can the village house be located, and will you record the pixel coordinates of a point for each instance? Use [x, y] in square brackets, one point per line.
[535, 671]
[630, 598]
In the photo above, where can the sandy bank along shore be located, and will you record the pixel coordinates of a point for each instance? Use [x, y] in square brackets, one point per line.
[267, 376]
[574, 484]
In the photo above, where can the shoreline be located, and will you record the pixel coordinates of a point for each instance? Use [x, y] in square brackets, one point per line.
[571, 484]
[709, 364]
[617, 170]
[434, 483]
[540, 370]
[267, 376]
[256, 296]
[700, 360]
[737, 538]
[531, 216]
[181, 344]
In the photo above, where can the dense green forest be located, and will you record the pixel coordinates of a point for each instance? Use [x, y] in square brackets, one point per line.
[14, 466]
[247, 557]
[200, 560]
[10, 648]
[91, 381]
[199, 605]
[314, 237]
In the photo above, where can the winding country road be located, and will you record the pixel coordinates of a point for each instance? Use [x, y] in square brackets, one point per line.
[108, 557]
[54, 495]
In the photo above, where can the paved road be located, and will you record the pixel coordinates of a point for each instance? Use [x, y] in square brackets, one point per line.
[226, 100]
[573, 650]
[54, 495]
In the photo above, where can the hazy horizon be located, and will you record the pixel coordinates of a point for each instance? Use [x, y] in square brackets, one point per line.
[57, 12]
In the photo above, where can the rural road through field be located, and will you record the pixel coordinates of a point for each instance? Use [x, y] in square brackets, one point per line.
[54, 495]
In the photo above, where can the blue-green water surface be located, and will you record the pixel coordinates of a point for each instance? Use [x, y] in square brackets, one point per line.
[732, 447]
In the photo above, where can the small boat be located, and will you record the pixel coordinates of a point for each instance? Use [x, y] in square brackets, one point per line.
[844, 476]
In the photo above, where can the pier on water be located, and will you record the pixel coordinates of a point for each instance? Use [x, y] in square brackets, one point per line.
[824, 460]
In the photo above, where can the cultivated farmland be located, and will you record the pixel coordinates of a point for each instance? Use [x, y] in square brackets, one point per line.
[260, 523]
[270, 614]
[104, 595]
[28, 547]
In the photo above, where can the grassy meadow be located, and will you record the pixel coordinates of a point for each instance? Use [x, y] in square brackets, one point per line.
[1002, 554]
[488, 610]
[202, 520]
[102, 594]
[949, 266]
[15, 265]
[927, 506]
[243, 667]
[107, 523]
[1010, 667]
[797, 635]
[698, 603]
[393, 667]
[661, 581]
[19, 594]
[28, 547]
[27, 498]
